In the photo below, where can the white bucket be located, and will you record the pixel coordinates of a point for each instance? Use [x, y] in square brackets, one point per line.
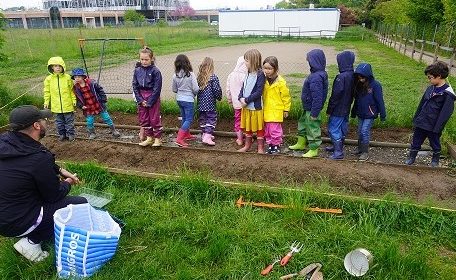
[357, 262]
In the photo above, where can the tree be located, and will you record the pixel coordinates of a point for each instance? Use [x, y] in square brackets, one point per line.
[283, 5]
[392, 12]
[183, 11]
[450, 12]
[429, 11]
[347, 15]
[134, 16]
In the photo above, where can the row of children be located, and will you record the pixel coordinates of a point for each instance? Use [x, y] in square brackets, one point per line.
[261, 100]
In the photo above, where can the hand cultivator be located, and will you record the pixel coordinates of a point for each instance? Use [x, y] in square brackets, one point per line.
[268, 269]
[294, 248]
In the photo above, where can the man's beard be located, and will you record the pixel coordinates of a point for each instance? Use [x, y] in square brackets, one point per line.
[42, 131]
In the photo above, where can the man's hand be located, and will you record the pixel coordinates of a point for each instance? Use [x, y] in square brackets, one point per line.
[69, 177]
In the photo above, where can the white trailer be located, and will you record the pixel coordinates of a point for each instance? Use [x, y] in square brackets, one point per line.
[322, 22]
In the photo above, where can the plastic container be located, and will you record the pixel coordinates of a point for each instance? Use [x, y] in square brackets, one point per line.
[358, 261]
[95, 198]
[85, 239]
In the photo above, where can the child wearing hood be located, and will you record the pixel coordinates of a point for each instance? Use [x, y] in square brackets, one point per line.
[313, 97]
[433, 112]
[58, 95]
[233, 88]
[368, 105]
[339, 104]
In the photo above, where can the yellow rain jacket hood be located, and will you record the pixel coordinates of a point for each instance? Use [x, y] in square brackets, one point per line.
[276, 98]
[58, 89]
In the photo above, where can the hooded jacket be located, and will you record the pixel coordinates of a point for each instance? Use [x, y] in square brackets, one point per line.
[147, 78]
[342, 90]
[235, 82]
[29, 179]
[96, 90]
[276, 99]
[185, 87]
[58, 89]
[435, 109]
[254, 100]
[315, 88]
[368, 103]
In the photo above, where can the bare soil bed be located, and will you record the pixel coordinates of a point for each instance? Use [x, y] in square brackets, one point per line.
[383, 173]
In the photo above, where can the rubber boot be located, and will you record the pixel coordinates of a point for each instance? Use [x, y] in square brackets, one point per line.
[180, 140]
[240, 138]
[92, 134]
[114, 132]
[142, 134]
[364, 152]
[157, 142]
[311, 153]
[207, 139]
[189, 136]
[260, 145]
[247, 145]
[357, 152]
[435, 160]
[411, 158]
[329, 148]
[149, 141]
[300, 145]
[338, 151]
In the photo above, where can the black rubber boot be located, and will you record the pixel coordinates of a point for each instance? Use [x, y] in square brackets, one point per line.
[411, 158]
[435, 159]
[364, 152]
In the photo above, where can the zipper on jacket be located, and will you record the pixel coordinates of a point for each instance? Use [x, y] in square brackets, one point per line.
[370, 109]
[60, 95]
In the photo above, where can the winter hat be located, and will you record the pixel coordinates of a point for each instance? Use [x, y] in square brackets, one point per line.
[78, 72]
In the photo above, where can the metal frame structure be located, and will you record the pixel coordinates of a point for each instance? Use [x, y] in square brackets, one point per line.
[115, 4]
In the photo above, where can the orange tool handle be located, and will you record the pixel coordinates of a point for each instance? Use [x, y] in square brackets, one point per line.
[288, 276]
[266, 271]
[285, 259]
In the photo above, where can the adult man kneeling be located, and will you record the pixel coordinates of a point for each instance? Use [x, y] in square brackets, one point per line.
[31, 189]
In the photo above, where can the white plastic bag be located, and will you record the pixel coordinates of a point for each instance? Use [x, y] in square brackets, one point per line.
[85, 239]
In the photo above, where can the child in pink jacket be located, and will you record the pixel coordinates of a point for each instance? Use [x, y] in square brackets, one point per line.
[233, 88]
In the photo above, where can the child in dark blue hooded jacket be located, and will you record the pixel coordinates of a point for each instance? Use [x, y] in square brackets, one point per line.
[433, 112]
[368, 105]
[339, 104]
[313, 97]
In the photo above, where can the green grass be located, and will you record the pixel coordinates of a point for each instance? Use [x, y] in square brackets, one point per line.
[189, 228]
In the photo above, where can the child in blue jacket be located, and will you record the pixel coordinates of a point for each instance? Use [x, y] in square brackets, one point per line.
[368, 105]
[339, 104]
[313, 96]
[433, 112]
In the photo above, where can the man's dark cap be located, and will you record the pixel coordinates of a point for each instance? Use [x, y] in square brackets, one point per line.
[25, 115]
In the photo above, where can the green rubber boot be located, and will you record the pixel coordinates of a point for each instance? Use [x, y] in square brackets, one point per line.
[311, 153]
[300, 145]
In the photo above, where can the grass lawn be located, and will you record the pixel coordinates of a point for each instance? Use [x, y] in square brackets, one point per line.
[190, 229]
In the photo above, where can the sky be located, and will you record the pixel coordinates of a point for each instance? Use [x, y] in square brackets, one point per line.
[195, 4]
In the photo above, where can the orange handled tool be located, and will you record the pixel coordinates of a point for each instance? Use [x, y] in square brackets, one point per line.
[294, 248]
[268, 268]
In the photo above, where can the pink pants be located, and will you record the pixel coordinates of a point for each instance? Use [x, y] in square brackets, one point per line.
[237, 120]
[273, 133]
[149, 117]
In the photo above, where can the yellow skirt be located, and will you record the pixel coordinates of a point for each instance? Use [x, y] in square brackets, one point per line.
[252, 120]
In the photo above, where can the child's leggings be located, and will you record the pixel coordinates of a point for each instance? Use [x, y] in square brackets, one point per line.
[90, 119]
